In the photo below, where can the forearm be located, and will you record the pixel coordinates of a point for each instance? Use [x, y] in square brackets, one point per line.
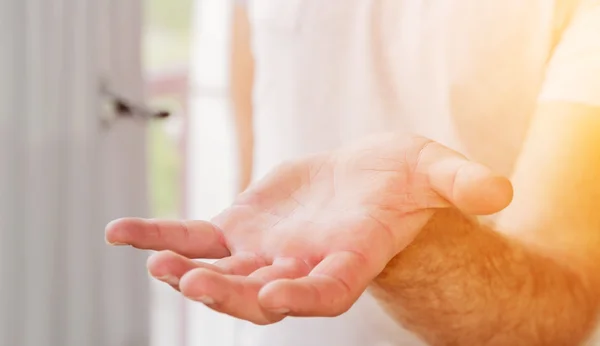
[469, 285]
[242, 79]
[245, 145]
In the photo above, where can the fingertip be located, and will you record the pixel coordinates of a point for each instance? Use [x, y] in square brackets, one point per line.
[194, 283]
[158, 263]
[276, 295]
[117, 232]
[479, 191]
[304, 297]
[502, 188]
[112, 232]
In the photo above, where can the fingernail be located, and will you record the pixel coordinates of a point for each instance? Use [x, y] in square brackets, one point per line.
[170, 279]
[205, 300]
[111, 224]
[116, 243]
[281, 311]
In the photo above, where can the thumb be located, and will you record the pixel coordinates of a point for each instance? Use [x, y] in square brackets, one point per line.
[469, 186]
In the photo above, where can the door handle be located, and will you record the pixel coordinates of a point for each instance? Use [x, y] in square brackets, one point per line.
[117, 106]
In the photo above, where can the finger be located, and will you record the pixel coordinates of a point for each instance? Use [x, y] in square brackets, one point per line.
[469, 186]
[169, 267]
[330, 289]
[193, 239]
[282, 268]
[241, 264]
[230, 294]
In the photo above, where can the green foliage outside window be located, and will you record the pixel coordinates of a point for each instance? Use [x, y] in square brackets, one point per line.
[167, 44]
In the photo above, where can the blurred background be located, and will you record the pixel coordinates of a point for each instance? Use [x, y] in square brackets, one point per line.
[70, 163]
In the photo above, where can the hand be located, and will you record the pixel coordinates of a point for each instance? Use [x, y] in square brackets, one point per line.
[308, 239]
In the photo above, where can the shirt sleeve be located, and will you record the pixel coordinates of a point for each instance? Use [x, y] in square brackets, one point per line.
[243, 3]
[573, 73]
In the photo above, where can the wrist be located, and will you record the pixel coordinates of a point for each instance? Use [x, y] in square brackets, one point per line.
[444, 236]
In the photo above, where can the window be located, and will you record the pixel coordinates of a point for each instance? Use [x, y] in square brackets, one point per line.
[191, 153]
[167, 43]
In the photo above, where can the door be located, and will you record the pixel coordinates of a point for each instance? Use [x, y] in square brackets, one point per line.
[63, 175]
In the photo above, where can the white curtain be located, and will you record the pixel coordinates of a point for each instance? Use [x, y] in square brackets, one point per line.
[62, 176]
[211, 154]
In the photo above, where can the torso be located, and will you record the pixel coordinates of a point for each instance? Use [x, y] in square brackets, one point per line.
[466, 73]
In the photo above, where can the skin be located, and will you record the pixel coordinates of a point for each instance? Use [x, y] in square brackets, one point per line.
[241, 81]
[300, 242]
[533, 278]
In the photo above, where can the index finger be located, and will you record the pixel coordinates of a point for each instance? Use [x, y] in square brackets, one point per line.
[193, 239]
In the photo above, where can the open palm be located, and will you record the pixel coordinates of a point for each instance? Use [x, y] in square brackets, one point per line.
[308, 239]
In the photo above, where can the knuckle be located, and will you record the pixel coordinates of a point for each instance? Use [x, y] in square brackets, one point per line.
[421, 146]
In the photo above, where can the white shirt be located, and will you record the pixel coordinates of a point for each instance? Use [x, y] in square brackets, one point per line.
[467, 73]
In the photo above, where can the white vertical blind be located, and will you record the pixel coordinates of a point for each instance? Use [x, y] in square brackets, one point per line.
[62, 177]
